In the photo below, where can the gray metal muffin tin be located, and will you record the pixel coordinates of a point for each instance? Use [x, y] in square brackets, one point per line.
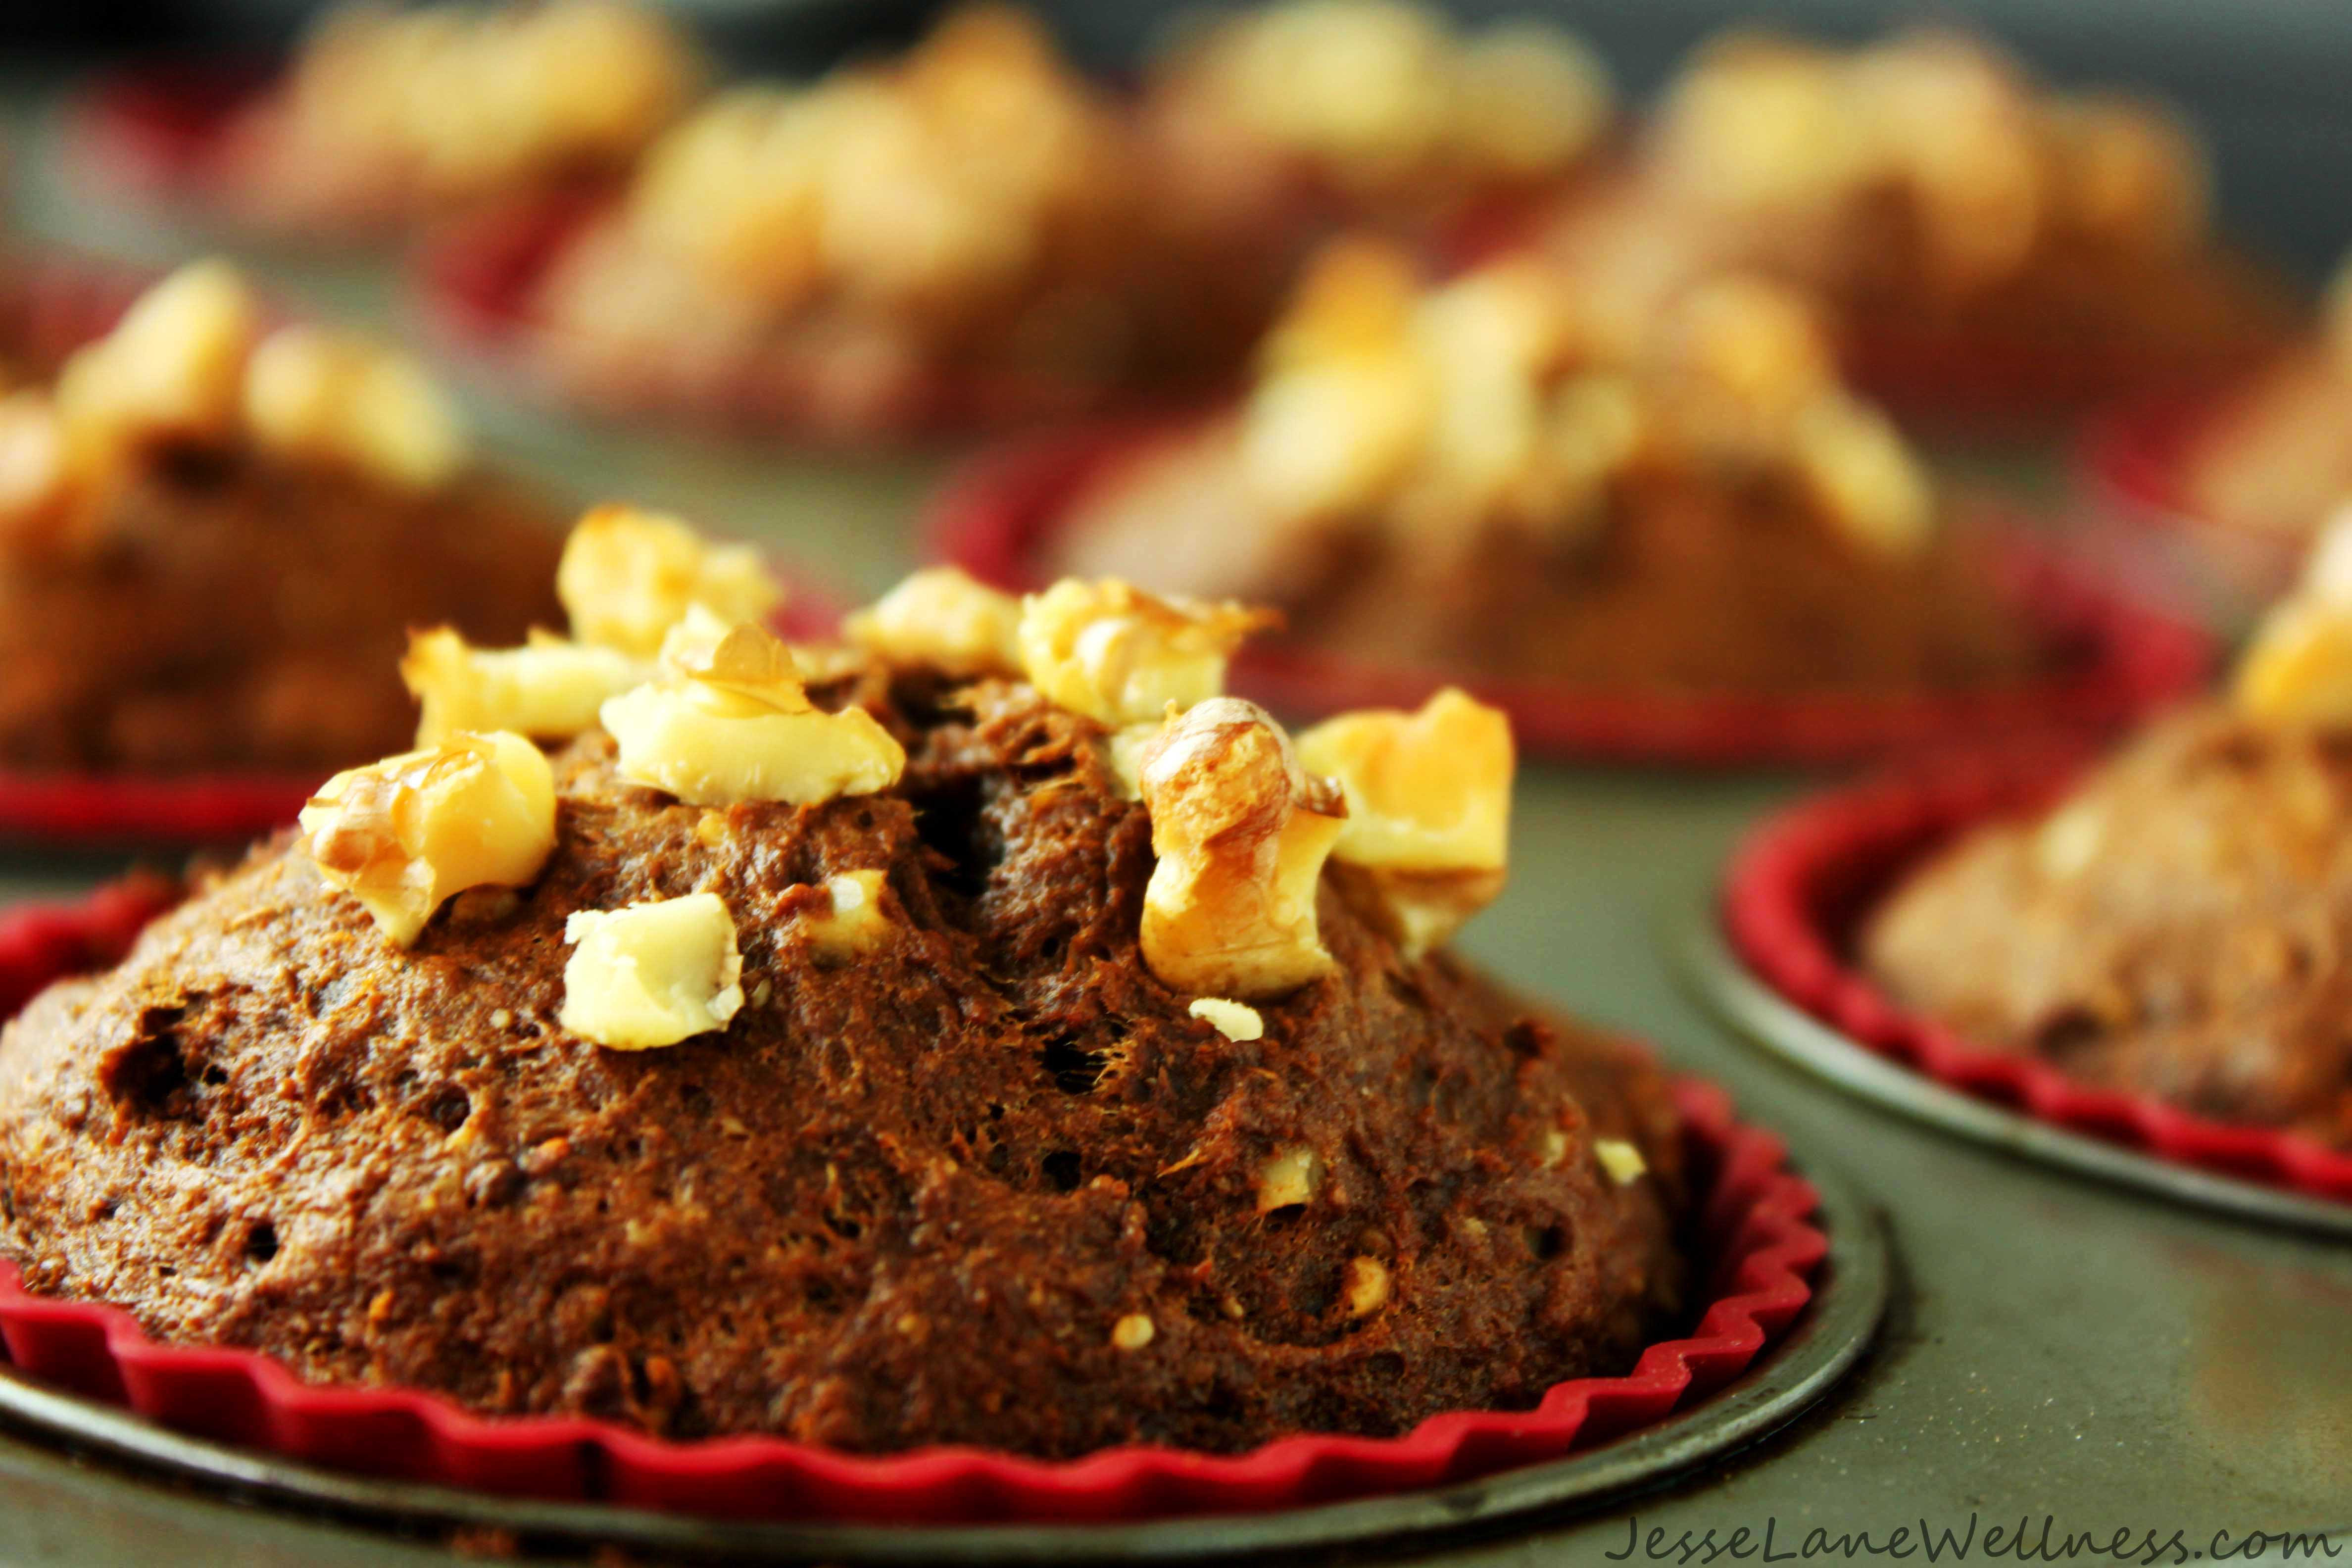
[2055, 1345]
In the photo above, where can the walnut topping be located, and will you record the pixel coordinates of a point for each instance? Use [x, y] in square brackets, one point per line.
[1428, 806]
[1120, 656]
[728, 720]
[1365, 1288]
[1290, 1177]
[1863, 476]
[856, 923]
[628, 576]
[1241, 833]
[402, 834]
[174, 367]
[1133, 1332]
[549, 688]
[1621, 1159]
[36, 478]
[2297, 669]
[327, 395]
[941, 617]
[652, 973]
[1234, 1020]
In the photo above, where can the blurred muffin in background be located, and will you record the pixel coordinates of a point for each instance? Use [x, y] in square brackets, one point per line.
[1978, 237]
[1506, 478]
[2272, 458]
[387, 117]
[1372, 110]
[214, 532]
[965, 232]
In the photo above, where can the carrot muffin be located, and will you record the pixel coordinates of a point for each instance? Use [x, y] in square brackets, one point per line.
[1379, 109]
[215, 534]
[1943, 204]
[388, 117]
[971, 222]
[809, 1016]
[2177, 925]
[1496, 477]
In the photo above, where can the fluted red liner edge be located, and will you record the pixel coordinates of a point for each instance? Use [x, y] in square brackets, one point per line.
[1755, 1217]
[1799, 885]
[995, 515]
[156, 130]
[475, 283]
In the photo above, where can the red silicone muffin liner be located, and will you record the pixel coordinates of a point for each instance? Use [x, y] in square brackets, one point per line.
[1800, 886]
[1753, 1218]
[477, 284]
[160, 133]
[996, 515]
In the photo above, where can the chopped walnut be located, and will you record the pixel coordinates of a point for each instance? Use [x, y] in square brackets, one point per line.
[324, 394]
[1429, 807]
[549, 688]
[1133, 1332]
[2297, 667]
[941, 617]
[405, 833]
[856, 924]
[1241, 833]
[173, 368]
[628, 576]
[1863, 476]
[37, 482]
[1366, 1287]
[1120, 656]
[1234, 1020]
[1289, 1177]
[730, 721]
[652, 973]
[1621, 1160]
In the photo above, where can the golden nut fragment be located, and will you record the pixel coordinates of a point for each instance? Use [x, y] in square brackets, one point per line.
[549, 688]
[628, 576]
[1241, 833]
[2297, 667]
[940, 616]
[403, 835]
[728, 720]
[652, 973]
[1621, 1160]
[1289, 1177]
[1863, 476]
[1366, 1286]
[1120, 656]
[1234, 1020]
[326, 395]
[172, 369]
[36, 481]
[1429, 807]
[856, 924]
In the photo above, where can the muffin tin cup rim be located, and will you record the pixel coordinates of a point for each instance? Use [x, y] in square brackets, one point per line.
[994, 513]
[1758, 1217]
[1776, 964]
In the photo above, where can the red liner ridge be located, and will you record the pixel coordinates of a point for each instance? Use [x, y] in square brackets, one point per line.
[1796, 891]
[995, 514]
[1755, 1218]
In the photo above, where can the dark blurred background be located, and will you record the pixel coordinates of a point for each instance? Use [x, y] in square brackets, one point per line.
[2270, 81]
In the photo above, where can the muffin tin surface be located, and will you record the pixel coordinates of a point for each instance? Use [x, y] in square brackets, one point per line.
[2055, 1345]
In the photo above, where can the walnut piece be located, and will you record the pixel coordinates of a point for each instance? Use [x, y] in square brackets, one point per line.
[1234, 1020]
[728, 720]
[856, 923]
[652, 973]
[2297, 667]
[1429, 807]
[628, 576]
[549, 688]
[1290, 1177]
[941, 617]
[173, 368]
[1863, 476]
[1241, 833]
[405, 833]
[1120, 656]
[1621, 1159]
[327, 395]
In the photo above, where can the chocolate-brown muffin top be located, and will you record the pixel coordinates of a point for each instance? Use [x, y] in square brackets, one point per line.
[934, 1150]
[2178, 926]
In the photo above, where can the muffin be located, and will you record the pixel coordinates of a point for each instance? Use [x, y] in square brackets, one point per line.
[1971, 233]
[1496, 479]
[388, 118]
[1379, 110]
[2175, 926]
[807, 1016]
[216, 532]
[969, 231]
